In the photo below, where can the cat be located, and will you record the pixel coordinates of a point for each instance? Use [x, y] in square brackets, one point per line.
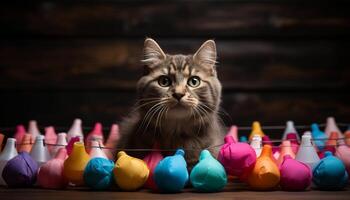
[178, 104]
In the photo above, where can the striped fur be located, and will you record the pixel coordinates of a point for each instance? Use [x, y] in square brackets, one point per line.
[159, 118]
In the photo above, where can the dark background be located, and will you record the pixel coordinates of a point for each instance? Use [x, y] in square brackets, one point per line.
[278, 60]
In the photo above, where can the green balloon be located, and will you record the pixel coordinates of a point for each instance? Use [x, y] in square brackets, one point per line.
[208, 175]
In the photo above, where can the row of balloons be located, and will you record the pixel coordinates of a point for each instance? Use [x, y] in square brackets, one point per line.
[259, 164]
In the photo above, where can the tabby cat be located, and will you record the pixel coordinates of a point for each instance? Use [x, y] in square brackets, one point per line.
[178, 103]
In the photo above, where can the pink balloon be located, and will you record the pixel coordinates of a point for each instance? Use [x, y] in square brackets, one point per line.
[294, 142]
[70, 144]
[295, 175]
[20, 132]
[152, 160]
[50, 174]
[343, 153]
[237, 158]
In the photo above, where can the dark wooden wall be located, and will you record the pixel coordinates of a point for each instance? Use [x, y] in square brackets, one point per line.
[278, 59]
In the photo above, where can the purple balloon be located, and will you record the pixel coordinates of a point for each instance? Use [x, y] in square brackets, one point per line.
[20, 171]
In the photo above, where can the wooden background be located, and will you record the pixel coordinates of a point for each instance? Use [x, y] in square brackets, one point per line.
[279, 59]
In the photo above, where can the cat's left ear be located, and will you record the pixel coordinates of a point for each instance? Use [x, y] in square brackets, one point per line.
[206, 55]
[153, 54]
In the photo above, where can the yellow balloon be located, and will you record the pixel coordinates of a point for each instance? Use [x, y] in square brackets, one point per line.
[130, 173]
[256, 130]
[75, 164]
[265, 174]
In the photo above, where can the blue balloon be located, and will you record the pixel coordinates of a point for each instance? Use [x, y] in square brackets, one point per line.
[243, 139]
[98, 173]
[319, 137]
[171, 175]
[330, 173]
[208, 175]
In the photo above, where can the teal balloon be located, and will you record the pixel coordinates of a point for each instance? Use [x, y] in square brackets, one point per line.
[208, 175]
[330, 173]
[319, 136]
[98, 173]
[171, 175]
[243, 139]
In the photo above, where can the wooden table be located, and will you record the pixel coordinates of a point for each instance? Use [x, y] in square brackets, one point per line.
[230, 192]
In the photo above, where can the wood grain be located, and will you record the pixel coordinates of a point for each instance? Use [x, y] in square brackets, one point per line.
[175, 18]
[114, 64]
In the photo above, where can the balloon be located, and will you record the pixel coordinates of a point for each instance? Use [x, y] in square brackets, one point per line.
[75, 164]
[293, 140]
[265, 174]
[130, 173]
[295, 175]
[237, 158]
[71, 143]
[266, 140]
[50, 137]
[33, 129]
[112, 140]
[2, 136]
[343, 153]
[331, 126]
[290, 129]
[208, 175]
[347, 137]
[330, 173]
[98, 173]
[256, 130]
[7, 154]
[96, 150]
[243, 139]
[307, 153]
[50, 174]
[319, 137]
[256, 144]
[332, 142]
[20, 132]
[95, 134]
[75, 131]
[26, 145]
[233, 132]
[286, 149]
[171, 173]
[20, 171]
[39, 151]
[152, 160]
[61, 142]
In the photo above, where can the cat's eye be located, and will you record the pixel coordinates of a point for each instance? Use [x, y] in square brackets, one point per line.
[164, 81]
[194, 81]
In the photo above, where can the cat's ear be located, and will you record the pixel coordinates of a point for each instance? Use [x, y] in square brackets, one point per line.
[206, 54]
[152, 53]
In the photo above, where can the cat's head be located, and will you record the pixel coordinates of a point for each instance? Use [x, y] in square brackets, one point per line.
[179, 85]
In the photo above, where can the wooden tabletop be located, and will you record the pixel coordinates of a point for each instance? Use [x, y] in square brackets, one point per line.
[231, 192]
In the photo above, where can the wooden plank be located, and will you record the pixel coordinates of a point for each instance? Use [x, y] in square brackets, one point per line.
[75, 64]
[232, 191]
[271, 108]
[175, 18]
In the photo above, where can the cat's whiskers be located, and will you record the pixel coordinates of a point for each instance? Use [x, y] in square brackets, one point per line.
[148, 113]
[144, 104]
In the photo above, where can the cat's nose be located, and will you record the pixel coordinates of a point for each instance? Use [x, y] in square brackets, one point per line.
[178, 96]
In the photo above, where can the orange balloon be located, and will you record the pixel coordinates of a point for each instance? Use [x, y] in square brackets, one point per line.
[286, 149]
[1, 140]
[256, 130]
[265, 174]
[26, 144]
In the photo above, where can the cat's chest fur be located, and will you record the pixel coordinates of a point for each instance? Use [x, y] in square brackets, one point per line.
[189, 135]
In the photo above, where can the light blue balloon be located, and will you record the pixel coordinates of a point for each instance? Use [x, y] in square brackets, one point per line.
[330, 173]
[243, 139]
[171, 175]
[208, 175]
[98, 173]
[319, 136]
